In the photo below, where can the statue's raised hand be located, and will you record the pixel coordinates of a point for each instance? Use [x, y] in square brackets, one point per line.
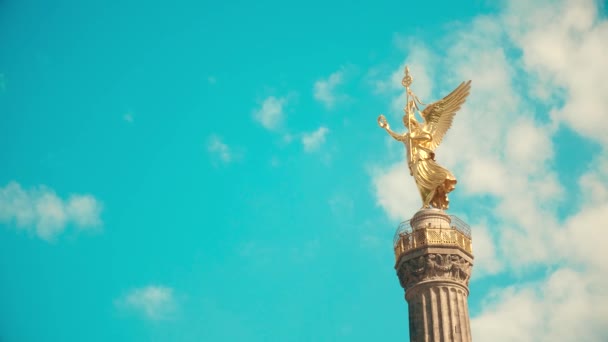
[382, 122]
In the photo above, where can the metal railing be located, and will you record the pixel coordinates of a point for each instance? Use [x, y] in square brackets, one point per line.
[436, 232]
[405, 227]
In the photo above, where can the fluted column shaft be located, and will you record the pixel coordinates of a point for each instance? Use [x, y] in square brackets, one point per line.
[438, 311]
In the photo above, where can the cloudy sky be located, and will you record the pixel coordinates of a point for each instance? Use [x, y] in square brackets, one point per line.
[206, 171]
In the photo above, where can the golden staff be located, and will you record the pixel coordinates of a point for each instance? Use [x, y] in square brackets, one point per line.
[406, 82]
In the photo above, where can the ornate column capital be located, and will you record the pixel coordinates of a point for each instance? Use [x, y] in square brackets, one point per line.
[438, 265]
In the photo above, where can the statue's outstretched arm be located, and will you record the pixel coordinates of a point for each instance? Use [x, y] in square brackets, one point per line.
[396, 136]
[384, 124]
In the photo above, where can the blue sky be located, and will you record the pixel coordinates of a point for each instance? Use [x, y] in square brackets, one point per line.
[202, 171]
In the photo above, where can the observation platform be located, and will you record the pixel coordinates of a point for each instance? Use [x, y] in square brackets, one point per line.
[430, 228]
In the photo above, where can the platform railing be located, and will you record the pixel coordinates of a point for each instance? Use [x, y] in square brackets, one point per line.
[458, 234]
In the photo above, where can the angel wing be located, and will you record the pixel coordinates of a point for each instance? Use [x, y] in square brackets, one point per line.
[438, 116]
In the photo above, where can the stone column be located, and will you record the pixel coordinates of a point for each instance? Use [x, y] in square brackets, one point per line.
[434, 269]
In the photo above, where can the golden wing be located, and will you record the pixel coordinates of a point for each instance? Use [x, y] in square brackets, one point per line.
[438, 116]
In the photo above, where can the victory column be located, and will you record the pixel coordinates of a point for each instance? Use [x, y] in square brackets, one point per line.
[433, 251]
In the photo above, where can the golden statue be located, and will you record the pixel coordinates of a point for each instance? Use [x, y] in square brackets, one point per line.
[433, 181]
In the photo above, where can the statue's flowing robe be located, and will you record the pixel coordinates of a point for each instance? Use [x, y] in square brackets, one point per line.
[433, 181]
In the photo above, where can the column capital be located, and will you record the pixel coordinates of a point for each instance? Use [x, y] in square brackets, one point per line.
[432, 265]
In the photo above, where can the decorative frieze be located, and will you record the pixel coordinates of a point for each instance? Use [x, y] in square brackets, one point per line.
[447, 267]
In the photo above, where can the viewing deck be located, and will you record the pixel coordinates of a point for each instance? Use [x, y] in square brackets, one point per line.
[430, 231]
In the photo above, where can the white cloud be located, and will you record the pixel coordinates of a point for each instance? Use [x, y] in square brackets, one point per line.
[270, 114]
[153, 302]
[84, 210]
[312, 141]
[572, 303]
[593, 183]
[486, 260]
[216, 146]
[563, 45]
[325, 89]
[40, 210]
[51, 215]
[583, 235]
[568, 306]
[396, 192]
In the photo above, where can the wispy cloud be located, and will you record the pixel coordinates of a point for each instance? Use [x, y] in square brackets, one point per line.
[314, 140]
[153, 302]
[128, 117]
[216, 146]
[41, 211]
[325, 89]
[271, 114]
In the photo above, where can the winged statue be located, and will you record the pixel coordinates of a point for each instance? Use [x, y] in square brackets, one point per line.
[434, 182]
